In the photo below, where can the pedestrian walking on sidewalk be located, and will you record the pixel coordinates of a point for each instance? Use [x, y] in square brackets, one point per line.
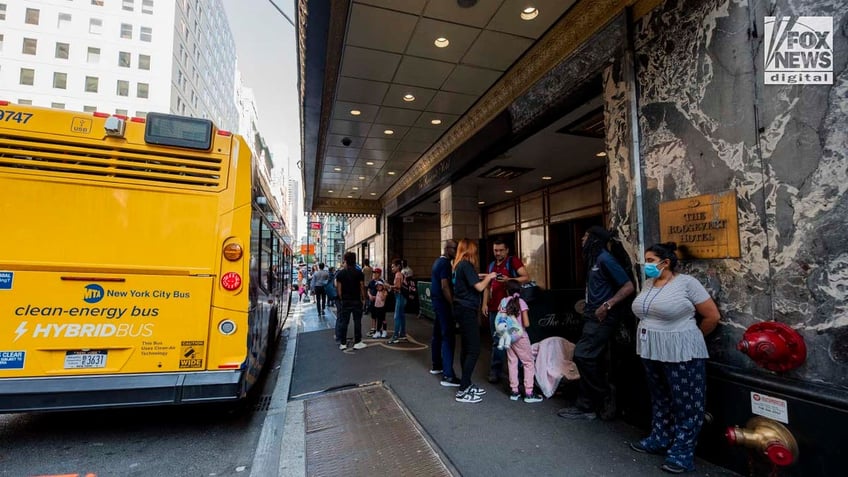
[468, 286]
[319, 281]
[351, 289]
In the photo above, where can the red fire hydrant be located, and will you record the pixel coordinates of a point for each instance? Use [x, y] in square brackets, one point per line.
[774, 346]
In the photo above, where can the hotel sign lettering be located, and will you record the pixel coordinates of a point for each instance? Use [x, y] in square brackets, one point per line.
[705, 226]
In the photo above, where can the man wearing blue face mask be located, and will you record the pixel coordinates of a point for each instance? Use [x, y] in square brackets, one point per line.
[607, 284]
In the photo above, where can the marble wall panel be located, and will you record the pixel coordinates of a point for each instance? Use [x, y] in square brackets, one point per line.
[707, 123]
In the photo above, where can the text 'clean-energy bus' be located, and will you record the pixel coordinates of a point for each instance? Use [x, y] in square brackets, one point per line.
[142, 261]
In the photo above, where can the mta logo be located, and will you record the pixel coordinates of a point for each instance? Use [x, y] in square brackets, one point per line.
[93, 293]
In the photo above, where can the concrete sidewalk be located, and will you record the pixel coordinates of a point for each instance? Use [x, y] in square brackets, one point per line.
[495, 437]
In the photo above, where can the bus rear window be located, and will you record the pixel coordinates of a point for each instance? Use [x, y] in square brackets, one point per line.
[179, 131]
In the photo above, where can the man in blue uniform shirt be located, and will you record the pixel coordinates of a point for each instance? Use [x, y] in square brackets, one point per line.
[444, 329]
[607, 284]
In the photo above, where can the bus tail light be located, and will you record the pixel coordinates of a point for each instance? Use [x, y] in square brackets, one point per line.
[221, 132]
[232, 252]
[229, 366]
[3, 102]
[231, 281]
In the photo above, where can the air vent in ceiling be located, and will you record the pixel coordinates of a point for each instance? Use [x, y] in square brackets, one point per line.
[590, 125]
[505, 172]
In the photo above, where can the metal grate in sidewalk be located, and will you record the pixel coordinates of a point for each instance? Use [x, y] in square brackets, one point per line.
[364, 431]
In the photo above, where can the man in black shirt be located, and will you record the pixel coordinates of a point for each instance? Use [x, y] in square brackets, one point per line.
[350, 285]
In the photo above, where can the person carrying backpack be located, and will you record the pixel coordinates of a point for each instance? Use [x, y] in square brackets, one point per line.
[607, 286]
[506, 267]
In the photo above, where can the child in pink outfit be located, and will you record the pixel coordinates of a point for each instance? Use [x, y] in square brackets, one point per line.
[378, 312]
[516, 312]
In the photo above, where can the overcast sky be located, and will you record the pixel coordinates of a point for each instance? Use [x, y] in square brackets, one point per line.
[267, 58]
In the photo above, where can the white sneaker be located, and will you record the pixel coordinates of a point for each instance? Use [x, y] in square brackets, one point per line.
[342, 346]
[360, 345]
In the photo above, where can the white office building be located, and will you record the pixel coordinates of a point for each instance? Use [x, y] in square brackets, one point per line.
[120, 56]
[294, 204]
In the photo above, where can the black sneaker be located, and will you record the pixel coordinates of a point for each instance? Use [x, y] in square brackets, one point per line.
[533, 398]
[476, 390]
[576, 413]
[673, 468]
[514, 396]
[643, 449]
[467, 397]
[450, 382]
[435, 370]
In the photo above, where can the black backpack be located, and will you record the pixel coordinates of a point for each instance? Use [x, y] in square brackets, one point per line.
[618, 252]
[529, 291]
[409, 289]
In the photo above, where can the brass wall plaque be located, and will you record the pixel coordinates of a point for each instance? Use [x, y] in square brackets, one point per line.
[705, 226]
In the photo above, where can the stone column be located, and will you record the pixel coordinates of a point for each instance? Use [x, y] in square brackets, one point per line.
[460, 214]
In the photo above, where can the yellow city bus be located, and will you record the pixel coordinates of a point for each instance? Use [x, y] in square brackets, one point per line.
[138, 261]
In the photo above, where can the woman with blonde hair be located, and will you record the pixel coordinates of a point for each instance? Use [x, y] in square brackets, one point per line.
[468, 288]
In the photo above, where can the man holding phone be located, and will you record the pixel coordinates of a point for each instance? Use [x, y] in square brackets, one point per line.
[508, 268]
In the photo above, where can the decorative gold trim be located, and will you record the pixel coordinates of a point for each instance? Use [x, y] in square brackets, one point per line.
[643, 7]
[583, 20]
[302, 16]
[331, 206]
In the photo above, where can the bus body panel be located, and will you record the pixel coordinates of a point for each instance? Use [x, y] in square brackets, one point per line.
[96, 392]
[113, 256]
[139, 324]
[107, 228]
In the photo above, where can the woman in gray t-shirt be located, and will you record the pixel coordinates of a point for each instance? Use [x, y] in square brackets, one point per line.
[674, 354]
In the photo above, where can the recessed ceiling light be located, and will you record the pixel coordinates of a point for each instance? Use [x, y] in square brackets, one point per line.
[408, 97]
[350, 197]
[546, 178]
[362, 178]
[373, 193]
[388, 132]
[436, 122]
[355, 188]
[529, 13]
[391, 173]
[369, 163]
[481, 202]
[355, 112]
[508, 191]
[601, 154]
[442, 42]
[337, 169]
[330, 191]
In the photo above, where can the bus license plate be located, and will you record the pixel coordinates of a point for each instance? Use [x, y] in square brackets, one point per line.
[85, 359]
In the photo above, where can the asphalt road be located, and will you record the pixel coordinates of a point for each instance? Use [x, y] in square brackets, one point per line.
[154, 441]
